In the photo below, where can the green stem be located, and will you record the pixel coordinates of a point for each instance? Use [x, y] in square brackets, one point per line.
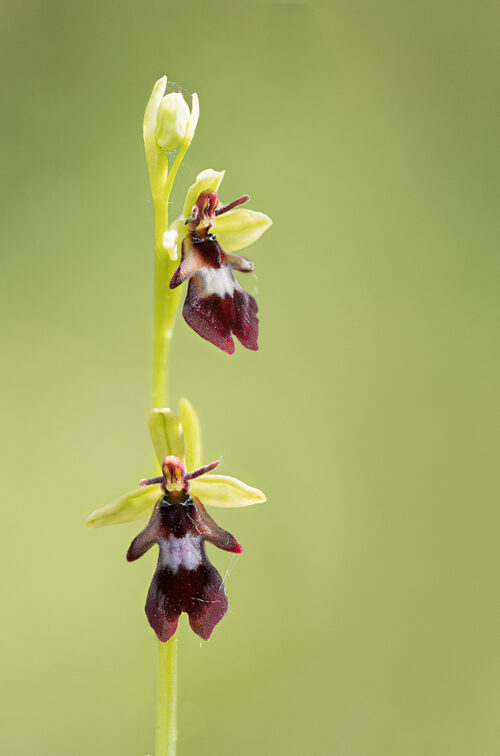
[166, 301]
[166, 703]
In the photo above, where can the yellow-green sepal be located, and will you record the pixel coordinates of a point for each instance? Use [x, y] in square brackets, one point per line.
[239, 228]
[224, 491]
[192, 434]
[206, 181]
[166, 433]
[132, 506]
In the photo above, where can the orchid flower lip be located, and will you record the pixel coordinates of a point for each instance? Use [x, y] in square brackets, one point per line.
[184, 579]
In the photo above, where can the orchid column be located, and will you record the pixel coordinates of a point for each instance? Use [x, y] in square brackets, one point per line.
[197, 248]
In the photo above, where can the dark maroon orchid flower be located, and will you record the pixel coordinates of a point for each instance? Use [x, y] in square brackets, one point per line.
[184, 580]
[216, 306]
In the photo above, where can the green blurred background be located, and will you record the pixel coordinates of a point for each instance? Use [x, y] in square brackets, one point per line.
[364, 611]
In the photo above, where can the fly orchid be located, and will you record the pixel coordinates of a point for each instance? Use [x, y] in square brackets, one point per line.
[208, 234]
[184, 579]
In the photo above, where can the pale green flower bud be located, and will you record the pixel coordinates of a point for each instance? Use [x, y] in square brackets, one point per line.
[173, 117]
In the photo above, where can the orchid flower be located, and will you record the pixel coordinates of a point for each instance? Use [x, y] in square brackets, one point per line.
[184, 580]
[208, 234]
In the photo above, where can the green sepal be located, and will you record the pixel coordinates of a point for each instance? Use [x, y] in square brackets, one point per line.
[132, 506]
[166, 433]
[239, 228]
[224, 491]
[192, 434]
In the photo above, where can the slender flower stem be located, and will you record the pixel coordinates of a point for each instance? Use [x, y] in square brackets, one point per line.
[166, 301]
[166, 703]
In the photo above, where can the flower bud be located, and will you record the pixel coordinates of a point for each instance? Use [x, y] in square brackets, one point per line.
[173, 116]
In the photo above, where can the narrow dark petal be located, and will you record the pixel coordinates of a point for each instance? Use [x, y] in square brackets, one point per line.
[246, 325]
[202, 470]
[150, 481]
[239, 201]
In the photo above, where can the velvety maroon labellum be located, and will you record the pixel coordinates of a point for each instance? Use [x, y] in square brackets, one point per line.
[184, 579]
[216, 306]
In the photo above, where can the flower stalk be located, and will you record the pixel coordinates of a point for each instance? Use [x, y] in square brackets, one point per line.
[166, 303]
[165, 310]
[166, 700]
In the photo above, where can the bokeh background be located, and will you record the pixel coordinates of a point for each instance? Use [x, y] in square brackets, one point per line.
[364, 611]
